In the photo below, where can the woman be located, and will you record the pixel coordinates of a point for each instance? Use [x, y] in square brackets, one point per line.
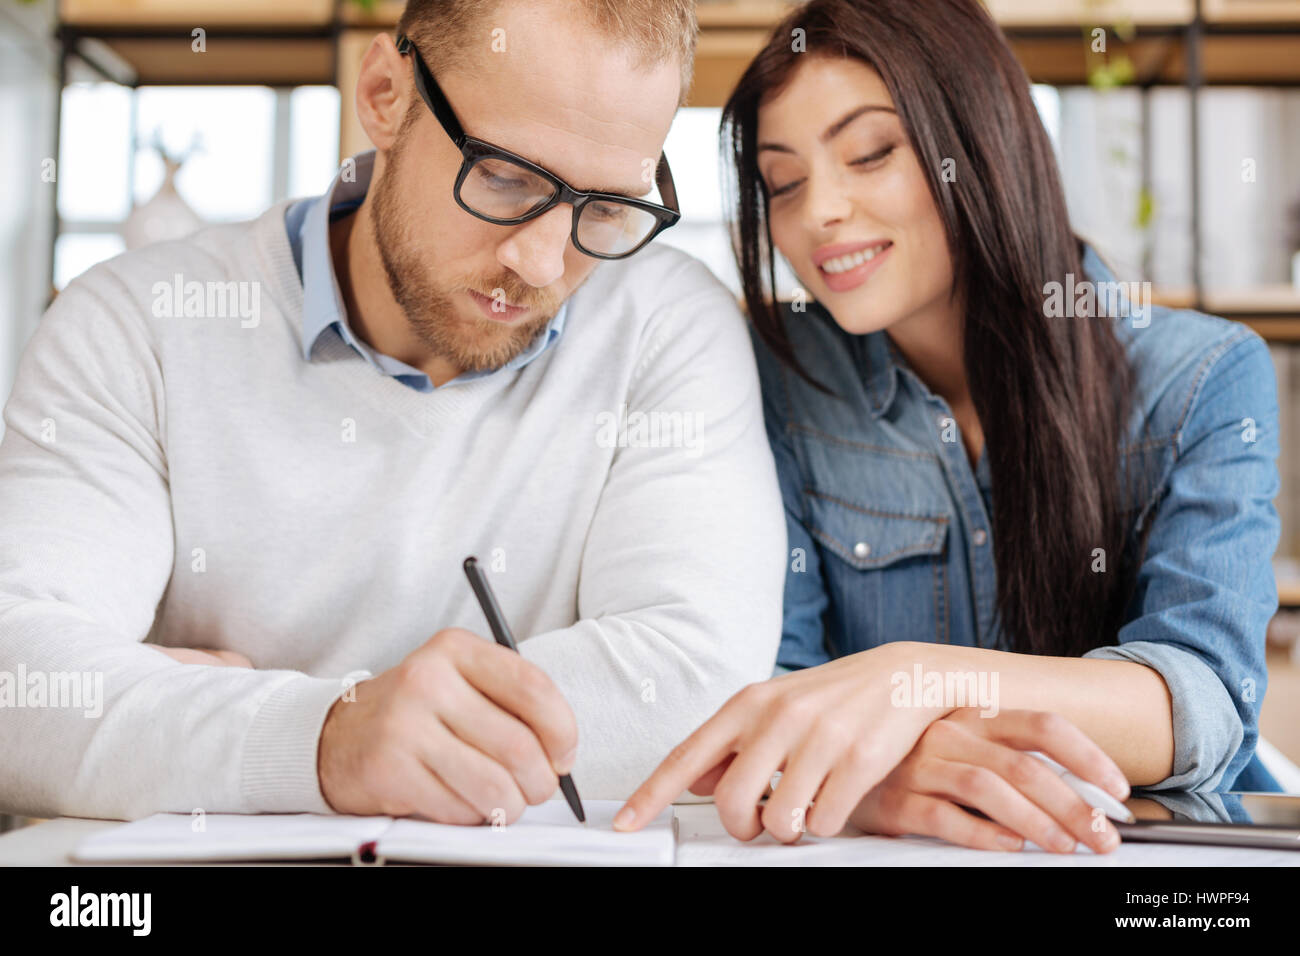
[1064, 519]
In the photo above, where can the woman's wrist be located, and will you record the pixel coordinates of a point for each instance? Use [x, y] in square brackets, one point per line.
[918, 678]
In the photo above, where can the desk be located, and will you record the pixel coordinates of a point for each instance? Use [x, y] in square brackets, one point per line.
[701, 841]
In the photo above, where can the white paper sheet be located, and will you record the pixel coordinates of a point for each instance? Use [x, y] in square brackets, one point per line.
[546, 834]
[703, 846]
[216, 837]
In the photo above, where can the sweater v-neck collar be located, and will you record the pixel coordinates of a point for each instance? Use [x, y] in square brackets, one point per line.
[426, 413]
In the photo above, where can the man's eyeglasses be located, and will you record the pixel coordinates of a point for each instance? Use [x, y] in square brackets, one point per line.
[501, 187]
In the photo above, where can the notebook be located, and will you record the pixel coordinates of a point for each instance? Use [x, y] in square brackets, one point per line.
[546, 834]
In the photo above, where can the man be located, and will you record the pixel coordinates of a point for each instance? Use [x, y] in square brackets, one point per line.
[452, 352]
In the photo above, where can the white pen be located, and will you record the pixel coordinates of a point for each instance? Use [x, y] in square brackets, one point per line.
[1092, 794]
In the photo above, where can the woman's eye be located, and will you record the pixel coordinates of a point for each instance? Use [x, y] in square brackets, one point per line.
[783, 190]
[874, 157]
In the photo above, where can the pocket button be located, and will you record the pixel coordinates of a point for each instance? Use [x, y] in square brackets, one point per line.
[861, 549]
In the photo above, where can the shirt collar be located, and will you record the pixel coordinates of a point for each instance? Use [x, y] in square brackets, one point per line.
[881, 360]
[323, 301]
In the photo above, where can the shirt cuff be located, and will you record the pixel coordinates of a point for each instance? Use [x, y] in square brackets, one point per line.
[1207, 728]
[279, 765]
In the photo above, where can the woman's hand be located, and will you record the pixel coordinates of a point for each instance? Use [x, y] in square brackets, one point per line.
[832, 730]
[210, 657]
[965, 760]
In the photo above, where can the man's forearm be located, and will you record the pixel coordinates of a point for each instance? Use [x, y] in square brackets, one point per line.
[157, 736]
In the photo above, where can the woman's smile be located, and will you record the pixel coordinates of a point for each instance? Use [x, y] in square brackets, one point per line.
[844, 267]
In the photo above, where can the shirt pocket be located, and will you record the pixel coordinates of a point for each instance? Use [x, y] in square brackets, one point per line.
[885, 572]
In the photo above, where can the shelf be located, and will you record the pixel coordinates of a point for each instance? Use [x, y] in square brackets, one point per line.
[1271, 310]
[730, 14]
[1272, 329]
[1066, 60]
[1072, 15]
[383, 17]
[281, 61]
[160, 14]
[720, 58]
[1250, 12]
[1081, 14]
[1051, 48]
[247, 42]
[1277, 299]
[1239, 60]
[1047, 15]
[1047, 38]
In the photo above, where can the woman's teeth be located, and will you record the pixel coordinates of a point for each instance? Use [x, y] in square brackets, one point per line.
[852, 261]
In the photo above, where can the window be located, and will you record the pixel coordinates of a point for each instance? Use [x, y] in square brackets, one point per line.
[249, 147]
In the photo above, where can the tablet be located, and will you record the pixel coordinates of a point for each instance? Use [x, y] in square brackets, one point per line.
[1227, 819]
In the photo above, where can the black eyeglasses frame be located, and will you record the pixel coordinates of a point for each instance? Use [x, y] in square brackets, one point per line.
[475, 150]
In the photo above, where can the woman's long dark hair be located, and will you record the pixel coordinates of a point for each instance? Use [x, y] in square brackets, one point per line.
[1052, 394]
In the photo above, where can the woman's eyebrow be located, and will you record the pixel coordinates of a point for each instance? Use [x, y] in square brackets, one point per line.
[834, 129]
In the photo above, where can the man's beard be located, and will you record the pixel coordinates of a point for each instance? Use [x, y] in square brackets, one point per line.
[471, 345]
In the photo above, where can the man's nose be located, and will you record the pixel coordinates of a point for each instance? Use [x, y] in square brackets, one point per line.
[535, 250]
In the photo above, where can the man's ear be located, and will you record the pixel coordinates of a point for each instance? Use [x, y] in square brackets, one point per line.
[384, 90]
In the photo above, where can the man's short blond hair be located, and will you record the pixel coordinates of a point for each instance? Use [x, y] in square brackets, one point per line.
[656, 31]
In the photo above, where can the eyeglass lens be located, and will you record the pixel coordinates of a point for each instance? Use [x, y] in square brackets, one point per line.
[500, 189]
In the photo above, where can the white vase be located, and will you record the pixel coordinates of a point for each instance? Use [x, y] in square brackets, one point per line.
[165, 216]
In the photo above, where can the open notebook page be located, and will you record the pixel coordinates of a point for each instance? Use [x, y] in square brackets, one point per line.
[217, 837]
[546, 834]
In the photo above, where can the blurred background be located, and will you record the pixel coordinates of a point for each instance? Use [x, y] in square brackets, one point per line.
[1176, 123]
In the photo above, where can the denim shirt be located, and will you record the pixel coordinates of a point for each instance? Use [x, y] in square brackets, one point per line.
[891, 536]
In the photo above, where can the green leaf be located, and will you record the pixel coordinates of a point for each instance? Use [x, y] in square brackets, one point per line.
[1146, 209]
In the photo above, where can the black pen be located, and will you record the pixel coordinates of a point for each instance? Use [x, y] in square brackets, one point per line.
[501, 631]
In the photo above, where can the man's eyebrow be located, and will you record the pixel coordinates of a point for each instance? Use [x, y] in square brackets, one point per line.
[638, 193]
[834, 129]
[635, 192]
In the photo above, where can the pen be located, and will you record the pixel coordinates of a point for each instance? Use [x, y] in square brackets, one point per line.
[501, 631]
[1090, 793]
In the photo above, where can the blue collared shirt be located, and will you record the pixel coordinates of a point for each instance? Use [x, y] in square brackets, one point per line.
[892, 539]
[307, 223]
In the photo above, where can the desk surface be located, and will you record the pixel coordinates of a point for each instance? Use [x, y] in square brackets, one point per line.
[702, 841]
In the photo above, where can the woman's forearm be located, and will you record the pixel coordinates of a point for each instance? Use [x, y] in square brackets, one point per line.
[1123, 706]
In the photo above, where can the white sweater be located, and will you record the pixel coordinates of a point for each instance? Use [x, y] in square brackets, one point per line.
[191, 481]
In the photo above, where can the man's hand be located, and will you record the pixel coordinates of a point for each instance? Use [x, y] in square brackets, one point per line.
[461, 731]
